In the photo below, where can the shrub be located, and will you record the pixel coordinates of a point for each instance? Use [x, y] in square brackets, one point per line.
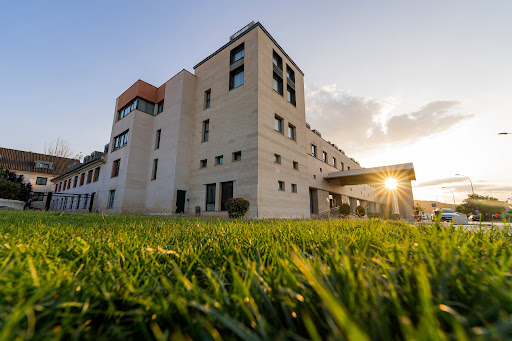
[384, 216]
[237, 207]
[360, 211]
[344, 209]
[25, 192]
[9, 190]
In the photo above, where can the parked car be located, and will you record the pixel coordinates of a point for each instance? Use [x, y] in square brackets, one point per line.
[475, 217]
[446, 215]
[496, 216]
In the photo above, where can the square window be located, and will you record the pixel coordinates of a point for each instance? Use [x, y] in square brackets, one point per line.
[280, 185]
[295, 165]
[157, 138]
[203, 163]
[206, 130]
[219, 160]
[277, 158]
[277, 60]
[313, 150]
[41, 181]
[291, 131]
[207, 98]
[236, 77]
[155, 168]
[278, 124]
[237, 53]
[294, 188]
[237, 156]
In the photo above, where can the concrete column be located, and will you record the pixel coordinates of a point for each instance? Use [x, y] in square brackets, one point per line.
[405, 200]
[323, 201]
[353, 205]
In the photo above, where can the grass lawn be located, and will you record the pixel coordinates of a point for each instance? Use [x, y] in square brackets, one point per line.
[87, 276]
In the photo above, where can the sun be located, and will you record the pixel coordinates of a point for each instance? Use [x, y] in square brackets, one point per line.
[391, 183]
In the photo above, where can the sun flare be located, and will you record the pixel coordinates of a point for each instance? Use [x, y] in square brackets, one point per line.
[391, 183]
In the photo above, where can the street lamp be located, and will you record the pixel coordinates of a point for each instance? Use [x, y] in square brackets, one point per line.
[504, 133]
[437, 199]
[453, 195]
[472, 190]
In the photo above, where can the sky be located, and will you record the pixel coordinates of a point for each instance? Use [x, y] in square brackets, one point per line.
[388, 81]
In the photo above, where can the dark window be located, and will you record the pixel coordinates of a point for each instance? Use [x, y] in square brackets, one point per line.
[96, 174]
[237, 156]
[38, 196]
[160, 107]
[237, 53]
[82, 178]
[115, 168]
[294, 188]
[227, 193]
[206, 130]
[334, 162]
[41, 181]
[291, 131]
[277, 60]
[342, 166]
[89, 176]
[76, 181]
[313, 150]
[155, 168]
[290, 95]
[348, 168]
[277, 158]
[219, 160]
[210, 197]
[157, 138]
[277, 84]
[290, 74]
[139, 104]
[236, 77]
[324, 157]
[295, 165]
[207, 98]
[280, 185]
[69, 183]
[278, 124]
[203, 163]
[120, 140]
[111, 198]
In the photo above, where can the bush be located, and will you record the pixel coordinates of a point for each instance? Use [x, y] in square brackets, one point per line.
[237, 207]
[344, 209]
[360, 211]
[9, 190]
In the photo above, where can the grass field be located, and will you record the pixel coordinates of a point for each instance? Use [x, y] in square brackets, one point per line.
[86, 276]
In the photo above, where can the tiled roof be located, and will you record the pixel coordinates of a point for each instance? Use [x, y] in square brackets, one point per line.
[18, 160]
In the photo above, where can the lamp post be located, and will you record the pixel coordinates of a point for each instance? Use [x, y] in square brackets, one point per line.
[437, 200]
[504, 133]
[471, 182]
[453, 195]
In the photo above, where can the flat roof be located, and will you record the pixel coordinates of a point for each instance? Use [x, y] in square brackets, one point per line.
[400, 172]
[244, 33]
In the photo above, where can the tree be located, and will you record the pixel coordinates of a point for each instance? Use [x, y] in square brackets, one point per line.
[418, 209]
[10, 180]
[58, 147]
[486, 205]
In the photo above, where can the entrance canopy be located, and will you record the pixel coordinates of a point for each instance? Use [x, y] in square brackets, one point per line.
[402, 172]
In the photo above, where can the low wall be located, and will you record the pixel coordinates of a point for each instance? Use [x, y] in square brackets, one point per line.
[11, 204]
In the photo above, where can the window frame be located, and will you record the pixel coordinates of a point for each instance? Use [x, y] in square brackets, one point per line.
[158, 136]
[123, 138]
[281, 186]
[314, 150]
[207, 98]
[219, 160]
[291, 98]
[116, 165]
[277, 158]
[279, 60]
[205, 136]
[111, 199]
[41, 178]
[235, 154]
[295, 165]
[279, 81]
[289, 72]
[96, 174]
[232, 76]
[210, 197]
[89, 176]
[203, 163]
[235, 51]
[279, 119]
[293, 188]
[293, 129]
[154, 169]
[325, 157]
[160, 107]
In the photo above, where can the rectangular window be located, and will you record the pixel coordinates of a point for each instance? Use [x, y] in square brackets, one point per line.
[145, 106]
[160, 107]
[236, 77]
[44, 164]
[115, 168]
[348, 168]
[226, 194]
[219, 160]
[96, 174]
[278, 124]
[277, 84]
[237, 156]
[237, 53]
[75, 182]
[89, 176]
[206, 130]
[290, 74]
[324, 157]
[210, 197]
[277, 158]
[290, 95]
[64, 185]
[207, 98]
[334, 162]
[155, 168]
[294, 188]
[139, 104]
[313, 150]
[38, 196]
[277, 60]
[41, 181]
[291, 131]
[295, 165]
[157, 138]
[203, 163]
[111, 198]
[280, 185]
[82, 179]
[69, 183]
[120, 140]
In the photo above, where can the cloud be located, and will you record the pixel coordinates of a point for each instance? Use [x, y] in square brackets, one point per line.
[362, 123]
[438, 182]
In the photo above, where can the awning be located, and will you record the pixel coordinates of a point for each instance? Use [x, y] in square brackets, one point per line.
[375, 175]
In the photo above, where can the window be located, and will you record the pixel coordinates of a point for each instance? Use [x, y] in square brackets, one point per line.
[155, 167]
[278, 84]
[237, 156]
[313, 150]
[111, 198]
[64, 185]
[206, 130]
[348, 168]
[44, 164]
[226, 194]
[139, 104]
[96, 174]
[41, 181]
[115, 168]
[210, 197]
[237, 53]
[295, 165]
[324, 156]
[203, 163]
[290, 74]
[120, 140]
[236, 77]
[38, 196]
[294, 188]
[334, 162]
[280, 185]
[89, 176]
[277, 60]
[342, 166]
[157, 138]
[207, 98]
[160, 107]
[219, 160]
[277, 158]
[82, 178]
[291, 131]
[290, 95]
[75, 182]
[69, 183]
[278, 124]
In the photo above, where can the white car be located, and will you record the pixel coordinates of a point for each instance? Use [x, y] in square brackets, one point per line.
[446, 215]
